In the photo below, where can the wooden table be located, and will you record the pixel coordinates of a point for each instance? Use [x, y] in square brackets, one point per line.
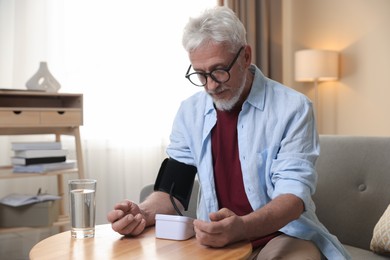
[108, 244]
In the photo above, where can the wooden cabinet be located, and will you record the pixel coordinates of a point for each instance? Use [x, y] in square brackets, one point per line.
[34, 112]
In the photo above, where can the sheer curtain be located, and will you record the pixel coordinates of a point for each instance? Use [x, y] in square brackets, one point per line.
[127, 60]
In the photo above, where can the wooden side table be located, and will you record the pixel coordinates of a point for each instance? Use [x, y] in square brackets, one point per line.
[107, 244]
[34, 112]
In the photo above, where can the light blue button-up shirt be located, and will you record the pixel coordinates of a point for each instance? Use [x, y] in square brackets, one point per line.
[278, 146]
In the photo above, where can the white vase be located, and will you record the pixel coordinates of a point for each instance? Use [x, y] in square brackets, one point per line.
[43, 80]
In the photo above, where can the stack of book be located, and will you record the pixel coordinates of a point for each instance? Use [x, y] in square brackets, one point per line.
[39, 157]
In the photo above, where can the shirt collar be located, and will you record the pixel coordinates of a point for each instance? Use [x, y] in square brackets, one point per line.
[256, 96]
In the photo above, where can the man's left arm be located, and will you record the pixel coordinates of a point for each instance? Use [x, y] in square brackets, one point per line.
[226, 227]
[273, 216]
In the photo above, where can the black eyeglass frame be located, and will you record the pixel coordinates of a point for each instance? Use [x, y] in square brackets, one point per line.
[210, 74]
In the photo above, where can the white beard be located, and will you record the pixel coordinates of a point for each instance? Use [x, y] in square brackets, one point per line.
[226, 105]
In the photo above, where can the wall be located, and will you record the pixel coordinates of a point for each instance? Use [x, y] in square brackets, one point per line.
[356, 104]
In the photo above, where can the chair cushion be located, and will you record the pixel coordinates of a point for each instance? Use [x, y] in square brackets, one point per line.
[362, 254]
[353, 186]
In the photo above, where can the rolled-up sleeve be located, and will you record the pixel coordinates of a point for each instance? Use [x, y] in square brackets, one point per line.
[293, 168]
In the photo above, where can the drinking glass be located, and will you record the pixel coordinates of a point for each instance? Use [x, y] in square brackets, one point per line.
[82, 203]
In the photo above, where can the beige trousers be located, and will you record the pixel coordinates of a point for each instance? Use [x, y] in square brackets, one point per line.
[286, 247]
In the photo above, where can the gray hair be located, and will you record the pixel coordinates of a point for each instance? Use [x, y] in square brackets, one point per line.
[217, 25]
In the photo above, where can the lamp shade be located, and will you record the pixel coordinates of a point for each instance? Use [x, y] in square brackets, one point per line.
[316, 65]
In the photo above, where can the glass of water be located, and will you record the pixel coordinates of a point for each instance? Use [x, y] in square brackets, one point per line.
[82, 202]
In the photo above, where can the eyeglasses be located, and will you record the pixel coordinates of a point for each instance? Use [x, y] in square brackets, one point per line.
[219, 75]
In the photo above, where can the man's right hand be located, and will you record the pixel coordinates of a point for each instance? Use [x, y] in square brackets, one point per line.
[127, 219]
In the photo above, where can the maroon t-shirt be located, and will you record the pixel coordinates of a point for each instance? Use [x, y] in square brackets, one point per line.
[227, 169]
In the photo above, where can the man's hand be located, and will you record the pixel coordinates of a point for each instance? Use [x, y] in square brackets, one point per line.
[225, 228]
[126, 218]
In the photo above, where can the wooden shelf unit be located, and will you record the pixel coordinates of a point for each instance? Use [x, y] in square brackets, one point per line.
[42, 113]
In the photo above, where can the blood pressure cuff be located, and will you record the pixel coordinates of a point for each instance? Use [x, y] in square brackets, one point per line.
[176, 179]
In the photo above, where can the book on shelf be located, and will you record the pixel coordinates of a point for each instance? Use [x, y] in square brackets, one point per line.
[46, 145]
[44, 167]
[40, 153]
[39, 160]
